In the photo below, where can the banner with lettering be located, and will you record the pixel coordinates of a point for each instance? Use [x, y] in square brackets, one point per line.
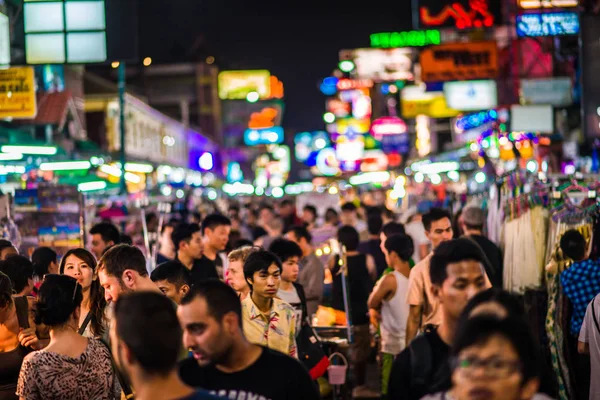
[459, 61]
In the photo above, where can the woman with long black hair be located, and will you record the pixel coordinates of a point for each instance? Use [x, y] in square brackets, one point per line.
[81, 265]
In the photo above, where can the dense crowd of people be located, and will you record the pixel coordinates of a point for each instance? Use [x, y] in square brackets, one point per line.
[229, 310]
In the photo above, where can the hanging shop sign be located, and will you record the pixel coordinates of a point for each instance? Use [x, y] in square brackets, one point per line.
[531, 4]
[390, 40]
[349, 84]
[460, 14]
[553, 91]
[351, 126]
[236, 85]
[459, 62]
[58, 32]
[382, 65]
[414, 101]
[263, 119]
[255, 137]
[548, 24]
[17, 93]
[339, 108]
[538, 119]
[150, 135]
[4, 37]
[469, 127]
[471, 95]
[386, 126]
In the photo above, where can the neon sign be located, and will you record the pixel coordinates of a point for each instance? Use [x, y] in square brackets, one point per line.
[547, 24]
[529, 4]
[473, 121]
[476, 14]
[387, 40]
[388, 126]
[350, 84]
[255, 137]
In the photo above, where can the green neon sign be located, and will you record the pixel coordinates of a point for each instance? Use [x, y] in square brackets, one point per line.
[388, 40]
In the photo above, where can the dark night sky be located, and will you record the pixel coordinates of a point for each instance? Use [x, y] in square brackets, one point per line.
[297, 41]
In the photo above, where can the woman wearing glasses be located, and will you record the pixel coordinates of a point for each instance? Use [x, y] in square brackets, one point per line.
[71, 366]
[494, 359]
[81, 265]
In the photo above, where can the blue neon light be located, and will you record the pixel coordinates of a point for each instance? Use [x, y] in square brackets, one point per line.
[472, 121]
[548, 24]
[255, 137]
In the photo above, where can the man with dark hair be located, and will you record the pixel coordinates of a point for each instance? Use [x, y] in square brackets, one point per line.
[457, 275]
[173, 279]
[20, 271]
[350, 217]
[373, 245]
[146, 339]
[187, 240]
[289, 291]
[309, 216]
[312, 271]
[224, 361]
[104, 236]
[7, 249]
[287, 212]
[268, 321]
[215, 233]
[581, 281]
[122, 269]
[390, 229]
[388, 299]
[473, 221]
[424, 307]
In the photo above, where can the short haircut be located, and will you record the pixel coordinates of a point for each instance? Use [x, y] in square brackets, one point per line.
[183, 233]
[301, 232]
[258, 261]
[402, 245]
[330, 214]
[393, 228]
[311, 209]
[388, 213]
[242, 243]
[435, 214]
[450, 252]
[573, 245]
[479, 330]
[213, 221]
[242, 253]
[125, 239]
[107, 231]
[5, 244]
[374, 224]
[349, 237]
[41, 258]
[57, 299]
[171, 224]
[512, 303]
[19, 269]
[220, 298]
[349, 206]
[173, 272]
[122, 257]
[285, 249]
[147, 323]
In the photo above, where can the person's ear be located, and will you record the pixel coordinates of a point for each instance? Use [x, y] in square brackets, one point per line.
[230, 322]
[436, 291]
[428, 234]
[184, 289]
[530, 388]
[128, 278]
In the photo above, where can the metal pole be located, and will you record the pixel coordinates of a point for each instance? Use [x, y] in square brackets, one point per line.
[121, 83]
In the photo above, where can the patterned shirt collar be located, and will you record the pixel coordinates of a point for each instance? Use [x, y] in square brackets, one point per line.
[256, 313]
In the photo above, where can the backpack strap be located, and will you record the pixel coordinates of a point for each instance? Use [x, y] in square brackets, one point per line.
[86, 322]
[22, 308]
[421, 361]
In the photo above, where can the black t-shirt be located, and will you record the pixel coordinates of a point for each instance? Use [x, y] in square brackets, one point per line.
[373, 247]
[402, 385]
[274, 376]
[203, 269]
[494, 256]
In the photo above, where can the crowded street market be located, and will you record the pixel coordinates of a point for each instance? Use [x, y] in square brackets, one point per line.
[260, 201]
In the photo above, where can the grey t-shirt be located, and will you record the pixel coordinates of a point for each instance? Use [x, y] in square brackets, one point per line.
[589, 334]
[291, 297]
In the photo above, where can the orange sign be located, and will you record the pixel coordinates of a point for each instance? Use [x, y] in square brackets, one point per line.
[459, 61]
[264, 119]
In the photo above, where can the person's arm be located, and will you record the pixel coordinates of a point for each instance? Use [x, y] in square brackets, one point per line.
[415, 298]
[372, 267]
[583, 346]
[413, 324]
[399, 383]
[423, 250]
[381, 291]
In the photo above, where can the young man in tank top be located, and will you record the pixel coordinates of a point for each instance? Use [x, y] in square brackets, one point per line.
[388, 299]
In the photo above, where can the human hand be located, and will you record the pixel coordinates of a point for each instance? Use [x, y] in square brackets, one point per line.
[28, 338]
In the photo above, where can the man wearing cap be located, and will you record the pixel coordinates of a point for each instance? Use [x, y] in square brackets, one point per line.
[472, 225]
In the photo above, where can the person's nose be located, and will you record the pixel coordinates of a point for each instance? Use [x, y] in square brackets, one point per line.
[271, 281]
[472, 291]
[187, 340]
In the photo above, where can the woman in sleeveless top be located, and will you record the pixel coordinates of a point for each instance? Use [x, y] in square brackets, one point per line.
[81, 265]
[16, 337]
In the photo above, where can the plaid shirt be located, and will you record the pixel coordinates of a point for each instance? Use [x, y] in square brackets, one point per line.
[580, 283]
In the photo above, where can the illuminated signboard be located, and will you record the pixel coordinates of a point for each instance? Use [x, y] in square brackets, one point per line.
[530, 4]
[459, 62]
[461, 14]
[4, 38]
[65, 31]
[469, 127]
[350, 84]
[415, 101]
[255, 137]
[554, 91]
[264, 119]
[17, 93]
[547, 24]
[339, 108]
[235, 85]
[382, 65]
[390, 40]
[386, 126]
[471, 95]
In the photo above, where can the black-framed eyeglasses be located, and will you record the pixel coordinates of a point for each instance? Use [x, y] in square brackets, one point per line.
[492, 367]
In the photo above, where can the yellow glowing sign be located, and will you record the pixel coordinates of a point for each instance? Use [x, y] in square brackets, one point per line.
[235, 85]
[415, 101]
[528, 4]
[17, 93]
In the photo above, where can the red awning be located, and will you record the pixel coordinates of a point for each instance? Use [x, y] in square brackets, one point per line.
[52, 109]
